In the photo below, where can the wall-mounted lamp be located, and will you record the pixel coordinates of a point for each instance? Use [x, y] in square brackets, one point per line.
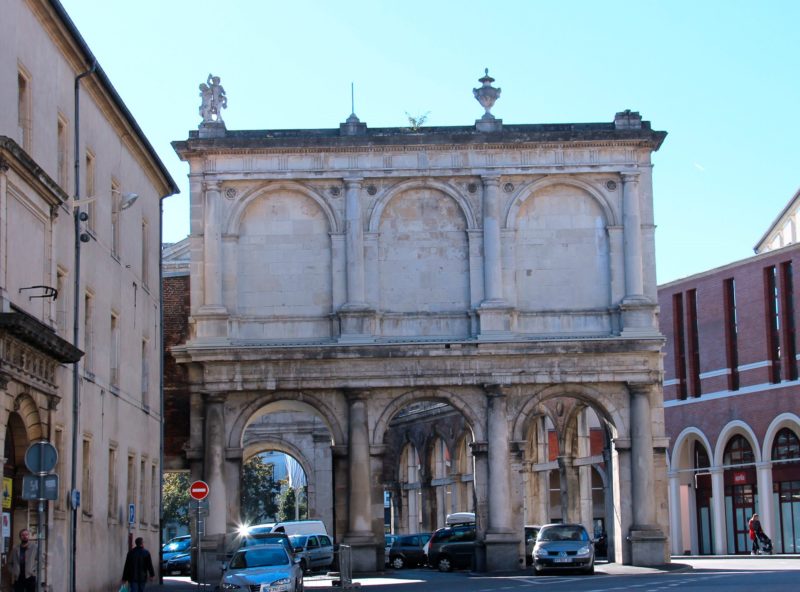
[127, 201]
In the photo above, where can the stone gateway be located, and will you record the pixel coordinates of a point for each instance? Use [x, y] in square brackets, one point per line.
[503, 271]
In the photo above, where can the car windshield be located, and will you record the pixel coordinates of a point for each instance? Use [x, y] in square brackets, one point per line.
[563, 533]
[259, 558]
[177, 545]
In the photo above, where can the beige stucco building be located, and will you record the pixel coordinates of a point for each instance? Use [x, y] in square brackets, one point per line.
[505, 270]
[108, 446]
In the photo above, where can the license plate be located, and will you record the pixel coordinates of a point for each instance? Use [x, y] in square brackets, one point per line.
[562, 560]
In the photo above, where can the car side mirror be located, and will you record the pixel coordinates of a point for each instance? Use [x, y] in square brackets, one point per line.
[224, 566]
[297, 560]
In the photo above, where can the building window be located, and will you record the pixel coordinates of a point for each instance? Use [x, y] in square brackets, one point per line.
[114, 351]
[24, 122]
[88, 333]
[112, 482]
[145, 253]
[786, 445]
[58, 442]
[787, 321]
[731, 333]
[773, 323]
[131, 478]
[90, 188]
[693, 342]
[116, 197]
[679, 344]
[155, 487]
[62, 150]
[61, 302]
[738, 452]
[142, 490]
[145, 375]
[86, 485]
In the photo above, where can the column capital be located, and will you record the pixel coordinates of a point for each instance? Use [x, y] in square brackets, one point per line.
[640, 388]
[496, 390]
[479, 448]
[490, 180]
[214, 397]
[211, 184]
[630, 177]
[354, 395]
[353, 182]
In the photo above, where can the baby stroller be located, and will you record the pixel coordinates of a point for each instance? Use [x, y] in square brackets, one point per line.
[764, 543]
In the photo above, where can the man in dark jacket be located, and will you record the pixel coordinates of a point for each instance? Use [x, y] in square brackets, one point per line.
[138, 567]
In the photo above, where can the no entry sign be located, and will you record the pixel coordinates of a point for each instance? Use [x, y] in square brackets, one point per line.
[198, 490]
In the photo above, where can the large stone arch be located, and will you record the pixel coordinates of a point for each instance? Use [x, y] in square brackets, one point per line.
[280, 445]
[731, 429]
[604, 406]
[474, 422]
[286, 401]
[28, 411]
[784, 420]
[379, 206]
[688, 435]
[528, 190]
[234, 219]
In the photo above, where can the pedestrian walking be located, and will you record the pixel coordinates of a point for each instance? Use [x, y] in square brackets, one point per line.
[138, 567]
[755, 530]
[23, 563]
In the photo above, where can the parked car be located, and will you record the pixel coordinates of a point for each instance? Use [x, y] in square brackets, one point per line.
[313, 551]
[388, 539]
[563, 547]
[406, 551]
[180, 564]
[531, 530]
[452, 547]
[177, 546]
[263, 567]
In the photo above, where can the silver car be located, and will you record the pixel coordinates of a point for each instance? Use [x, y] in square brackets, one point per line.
[265, 568]
[313, 551]
[563, 547]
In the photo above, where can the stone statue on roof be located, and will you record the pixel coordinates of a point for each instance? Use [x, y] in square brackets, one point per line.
[213, 100]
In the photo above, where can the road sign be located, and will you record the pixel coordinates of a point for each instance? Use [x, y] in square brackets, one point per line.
[40, 487]
[131, 513]
[198, 490]
[41, 457]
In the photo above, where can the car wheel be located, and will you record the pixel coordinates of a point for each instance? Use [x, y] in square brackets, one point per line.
[397, 563]
[589, 570]
[537, 571]
[445, 564]
[303, 566]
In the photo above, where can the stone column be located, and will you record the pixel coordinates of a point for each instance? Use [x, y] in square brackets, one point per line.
[585, 502]
[354, 240]
[492, 264]
[718, 510]
[570, 489]
[215, 464]
[766, 509]
[502, 540]
[632, 235]
[212, 257]
[359, 525]
[675, 518]
[647, 540]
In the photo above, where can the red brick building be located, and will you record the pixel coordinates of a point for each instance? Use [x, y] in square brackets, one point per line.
[732, 403]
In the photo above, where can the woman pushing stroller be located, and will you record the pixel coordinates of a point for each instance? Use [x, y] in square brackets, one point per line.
[761, 542]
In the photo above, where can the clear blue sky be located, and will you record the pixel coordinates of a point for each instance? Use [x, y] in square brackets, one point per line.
[721, 77]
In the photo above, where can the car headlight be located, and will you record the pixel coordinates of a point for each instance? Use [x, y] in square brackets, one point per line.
[540, 552]
[227, 586]
[584, 551]
[281, 582]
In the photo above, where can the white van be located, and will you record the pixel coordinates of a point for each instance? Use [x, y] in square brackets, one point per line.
[300, 527]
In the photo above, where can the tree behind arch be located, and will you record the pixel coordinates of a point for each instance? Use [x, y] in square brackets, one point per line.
[258, 492]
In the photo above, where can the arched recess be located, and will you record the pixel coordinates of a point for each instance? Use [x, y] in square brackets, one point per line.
[377, 209]
[528, 190]
[731, 429]
[561, 232]
[28, 411]
[279, 446]
[234, 219]
[285, 401]
[398, 403]
[784, 420]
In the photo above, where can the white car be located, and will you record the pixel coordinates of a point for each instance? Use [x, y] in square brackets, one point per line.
[267, 568]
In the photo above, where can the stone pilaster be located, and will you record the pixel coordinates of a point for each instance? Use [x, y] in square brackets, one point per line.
[212, 316]
[676, 531]
[494, 312]
[357, 320]
[215, 464]
[647, 539]
[766, 511]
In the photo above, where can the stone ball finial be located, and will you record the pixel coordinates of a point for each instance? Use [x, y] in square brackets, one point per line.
[486, 94]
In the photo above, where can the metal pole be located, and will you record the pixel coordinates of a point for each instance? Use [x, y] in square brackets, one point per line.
[76, 307]
[199, 547]
[40, 518]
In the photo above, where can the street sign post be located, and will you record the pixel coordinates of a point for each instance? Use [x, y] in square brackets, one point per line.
[198, 490]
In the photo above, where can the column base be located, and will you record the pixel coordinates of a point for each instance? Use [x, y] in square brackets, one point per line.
[502, 552]
[364, 554]
[648, 546]
[211, 323]
[357, 324]
[639, 317]
[494, 320]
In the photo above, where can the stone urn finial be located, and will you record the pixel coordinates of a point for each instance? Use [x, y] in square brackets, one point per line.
[486, 95]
